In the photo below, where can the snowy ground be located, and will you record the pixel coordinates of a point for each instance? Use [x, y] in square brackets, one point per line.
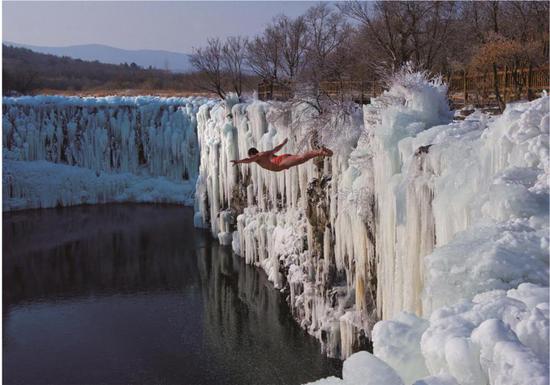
[431, 237]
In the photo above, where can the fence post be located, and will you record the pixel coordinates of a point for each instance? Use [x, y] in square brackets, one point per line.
[506, 84]
[465, 88]
[529, 81]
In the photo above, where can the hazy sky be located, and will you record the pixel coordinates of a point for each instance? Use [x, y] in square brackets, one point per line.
[173, 26]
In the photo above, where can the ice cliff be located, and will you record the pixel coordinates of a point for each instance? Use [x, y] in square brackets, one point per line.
[424, 235]
[60, 151]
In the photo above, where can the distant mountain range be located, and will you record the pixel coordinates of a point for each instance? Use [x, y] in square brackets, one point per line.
[173, 61]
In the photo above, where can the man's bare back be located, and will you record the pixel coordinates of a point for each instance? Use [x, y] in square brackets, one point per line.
[272, 162]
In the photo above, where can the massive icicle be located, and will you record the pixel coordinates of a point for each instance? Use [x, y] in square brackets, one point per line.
[119, 148]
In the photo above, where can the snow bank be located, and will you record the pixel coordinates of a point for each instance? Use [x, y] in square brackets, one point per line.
[486, 340]
[41, 184]
[397, 342]
[120, 148]
[363, 368]
[500, 337]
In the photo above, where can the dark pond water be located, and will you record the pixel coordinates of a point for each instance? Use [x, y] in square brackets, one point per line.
[118, 294]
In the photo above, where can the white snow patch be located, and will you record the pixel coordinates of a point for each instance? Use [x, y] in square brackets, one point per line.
[362, 368]
[40, 184]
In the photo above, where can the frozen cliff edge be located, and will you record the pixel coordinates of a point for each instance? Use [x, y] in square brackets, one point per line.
[437, 228]
[60, 151]
[286, 223]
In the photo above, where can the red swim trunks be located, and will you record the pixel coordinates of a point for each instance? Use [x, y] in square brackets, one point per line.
[277, 159]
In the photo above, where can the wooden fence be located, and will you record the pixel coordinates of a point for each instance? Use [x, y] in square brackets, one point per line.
[275, 90]
[478, 89]
[464, 88]
[358, 91]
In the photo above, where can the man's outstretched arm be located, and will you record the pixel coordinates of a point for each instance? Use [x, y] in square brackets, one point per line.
[278, 148]
[245, 160]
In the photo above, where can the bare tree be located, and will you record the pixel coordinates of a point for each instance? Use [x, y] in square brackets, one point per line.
[234, 53]
[523, 21]
[528, 22]
[264, 54]
[398, 32]
[385, 27]
[506, 36]
[322, 45]
[293, 44]
[327, 35]
[209, 62]
[327, 30]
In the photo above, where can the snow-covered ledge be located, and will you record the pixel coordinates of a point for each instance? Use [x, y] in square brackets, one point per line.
[446, 221]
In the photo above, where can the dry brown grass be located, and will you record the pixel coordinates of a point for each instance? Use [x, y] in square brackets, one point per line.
[124, 92]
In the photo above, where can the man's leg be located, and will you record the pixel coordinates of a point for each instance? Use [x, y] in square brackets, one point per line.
[295, 160]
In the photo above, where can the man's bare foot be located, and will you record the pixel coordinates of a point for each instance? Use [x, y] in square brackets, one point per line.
[326, 152]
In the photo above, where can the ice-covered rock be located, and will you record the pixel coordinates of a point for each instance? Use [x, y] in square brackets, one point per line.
[397, 342]
[287, 222]
[363, 368]
[397, 219]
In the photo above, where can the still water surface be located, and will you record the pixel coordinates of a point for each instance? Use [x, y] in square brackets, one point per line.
[118, 294]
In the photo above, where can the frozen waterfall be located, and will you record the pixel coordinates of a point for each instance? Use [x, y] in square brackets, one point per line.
[417, 219]
[70, 150]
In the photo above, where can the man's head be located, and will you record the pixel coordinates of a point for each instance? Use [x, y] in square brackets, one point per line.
[252, 151]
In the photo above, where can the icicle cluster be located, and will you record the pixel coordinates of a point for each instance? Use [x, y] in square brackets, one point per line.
[283, 222]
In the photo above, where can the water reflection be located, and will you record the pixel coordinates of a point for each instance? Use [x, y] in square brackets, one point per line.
[134, 294]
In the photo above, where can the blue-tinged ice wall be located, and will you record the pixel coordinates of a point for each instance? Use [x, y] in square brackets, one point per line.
[111, 143]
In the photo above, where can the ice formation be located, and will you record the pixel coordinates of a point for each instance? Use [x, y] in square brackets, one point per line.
[444, 220]
[70, 150]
